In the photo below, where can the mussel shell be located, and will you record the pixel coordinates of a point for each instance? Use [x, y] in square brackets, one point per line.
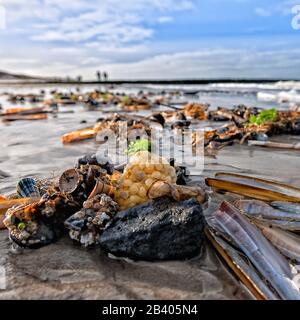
[295, 128]
[260, 136]
[45, 235]
[49, 227]
[97, 159]
[27, 188]
[182, 174]
[83, 230]
[78, 221]
[88, 159]
[69, 181]
[105, 163]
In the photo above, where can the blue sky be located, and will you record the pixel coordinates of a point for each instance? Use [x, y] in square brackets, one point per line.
[151, 38]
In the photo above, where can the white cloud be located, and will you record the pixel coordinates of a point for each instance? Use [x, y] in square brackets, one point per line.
[80, 20]
[76, 34]
[113, 29]
[283, 8]
[2, 18]
[201, 63]
[263, 12]
[165, 19]
[63, 37]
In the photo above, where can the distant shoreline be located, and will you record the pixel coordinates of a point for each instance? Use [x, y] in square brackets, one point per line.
[158, 82]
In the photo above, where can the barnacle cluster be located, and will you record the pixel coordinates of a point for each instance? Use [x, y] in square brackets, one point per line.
[40, 223]
[86, 225]
[87, 197]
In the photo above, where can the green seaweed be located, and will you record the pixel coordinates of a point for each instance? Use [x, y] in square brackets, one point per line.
[264, 116]
[106, 96]
[125, 99]
[138, 145]
[21, 226]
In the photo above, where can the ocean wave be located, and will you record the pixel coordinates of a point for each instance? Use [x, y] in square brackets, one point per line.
[276, 86]
[232, 87]
[288, 85]
[280, 97]
[245, 86]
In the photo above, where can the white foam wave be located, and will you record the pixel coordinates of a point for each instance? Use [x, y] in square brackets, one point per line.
[291, 96]
[288, 85]
[244, 86]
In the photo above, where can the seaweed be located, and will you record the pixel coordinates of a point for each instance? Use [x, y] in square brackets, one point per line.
[269, 115]
[138, 145]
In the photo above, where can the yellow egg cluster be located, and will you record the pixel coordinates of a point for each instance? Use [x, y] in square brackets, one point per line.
[139, 175]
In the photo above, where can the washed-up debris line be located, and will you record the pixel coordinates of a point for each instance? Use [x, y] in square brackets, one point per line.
[37, 106]
[242, 124]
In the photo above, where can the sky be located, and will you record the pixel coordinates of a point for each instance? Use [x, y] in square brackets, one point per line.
[150, 39]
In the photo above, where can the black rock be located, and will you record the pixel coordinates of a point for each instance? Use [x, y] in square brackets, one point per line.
[161, 229]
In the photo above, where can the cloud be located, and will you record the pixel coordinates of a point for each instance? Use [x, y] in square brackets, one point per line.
[263, 12]
[283, 8]
[83, 32]
[2, 18]
[81, 20]
[213, 63]
[165, 19]
[62, 37]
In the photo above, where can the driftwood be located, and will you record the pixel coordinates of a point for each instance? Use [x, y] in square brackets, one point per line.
[270, 144]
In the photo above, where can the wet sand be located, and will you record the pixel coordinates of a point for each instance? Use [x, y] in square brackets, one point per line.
[65, 271]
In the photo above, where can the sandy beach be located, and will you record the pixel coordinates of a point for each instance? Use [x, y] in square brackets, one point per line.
[64, 271]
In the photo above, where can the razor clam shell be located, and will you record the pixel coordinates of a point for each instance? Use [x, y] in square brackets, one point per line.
[242, 268]
[7, 204]
[267, 260]
[258, 238]
[281, 224]
[253, 187]
[261, 210]
[286, 206]
[286, 242]
[261, 183]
